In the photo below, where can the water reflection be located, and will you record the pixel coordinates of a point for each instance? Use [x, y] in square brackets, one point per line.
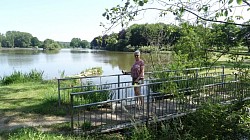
[20, 51]
[67, 61]
[18, 57]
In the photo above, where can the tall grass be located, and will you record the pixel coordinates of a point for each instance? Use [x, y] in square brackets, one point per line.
[211, 121]
[33, 134]
[20, 77]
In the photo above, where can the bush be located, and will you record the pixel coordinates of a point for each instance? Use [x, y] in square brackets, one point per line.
[93, 97]
[216, 121]
[211, 121]
[19, 77]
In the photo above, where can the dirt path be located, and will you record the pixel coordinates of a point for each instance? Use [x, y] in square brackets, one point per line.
[8, 123]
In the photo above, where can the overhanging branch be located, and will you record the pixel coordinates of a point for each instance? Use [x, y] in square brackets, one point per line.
[120, 17]
[205, 19]
[217, 21]
[246, 2]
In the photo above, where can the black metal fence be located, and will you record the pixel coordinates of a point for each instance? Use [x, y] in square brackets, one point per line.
[76, 84]
[99, 105]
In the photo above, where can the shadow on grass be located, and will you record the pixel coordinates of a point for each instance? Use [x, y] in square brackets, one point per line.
[38, 98]
[230, 65]
[50, 107]
[45, 107]
[8, 90]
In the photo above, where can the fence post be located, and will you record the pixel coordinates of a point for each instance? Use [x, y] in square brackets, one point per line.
[59, 96]
[71, 112]
[235, 76]
[148, 93]
[197, 73]
[118, 86]
[223, 74]
[196, 77]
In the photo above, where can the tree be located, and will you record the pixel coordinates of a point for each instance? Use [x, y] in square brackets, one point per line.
[85, 44]
[221, 11]
[111, 42]
[122, 39]
[1, 39]
[191, 45]
[9, 41]
[18, 39]
[137, 36]
[96, 42]
[35, 42]
[75, 43]
[50, 44]
[225, 36]
[244, 36]
[22, 39]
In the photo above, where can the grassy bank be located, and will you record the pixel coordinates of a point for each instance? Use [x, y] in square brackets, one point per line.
[29, 110]
[29, 97]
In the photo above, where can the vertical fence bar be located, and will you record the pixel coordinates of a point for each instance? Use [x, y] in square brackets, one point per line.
[59, 96]
[173, 105]
[118, 86]
[148, 95]
[235, 76]
[223, 74]
[72, 112]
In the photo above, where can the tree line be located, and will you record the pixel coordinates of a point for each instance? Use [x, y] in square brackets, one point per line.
[12, 39]
[185, 37]
[172, 37]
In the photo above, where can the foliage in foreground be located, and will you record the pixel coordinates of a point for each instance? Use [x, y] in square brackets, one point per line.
[212, 121]
[20, 77]
[29, 133]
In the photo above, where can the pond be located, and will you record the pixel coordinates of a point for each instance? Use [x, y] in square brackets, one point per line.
[64, 62]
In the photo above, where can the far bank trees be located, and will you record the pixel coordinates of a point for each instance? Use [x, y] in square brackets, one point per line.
[13, 39]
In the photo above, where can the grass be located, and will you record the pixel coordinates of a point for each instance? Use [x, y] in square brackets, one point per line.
[38, 99]
[19, 77]
[31, 133]
[23, 103]
[29, 100]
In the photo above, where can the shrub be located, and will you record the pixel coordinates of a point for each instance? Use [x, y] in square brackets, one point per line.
[92, 97]
[19, 77]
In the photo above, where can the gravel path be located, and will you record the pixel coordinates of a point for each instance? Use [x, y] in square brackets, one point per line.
[10, 123]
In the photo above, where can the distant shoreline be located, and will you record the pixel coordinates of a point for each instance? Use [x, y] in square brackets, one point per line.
[16, 48]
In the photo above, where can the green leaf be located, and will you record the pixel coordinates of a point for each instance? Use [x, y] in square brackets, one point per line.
[181, 10]
[141, 3]
[226, 13]
[104, 14]
[239, 2]
[205, 8]
[230, 1]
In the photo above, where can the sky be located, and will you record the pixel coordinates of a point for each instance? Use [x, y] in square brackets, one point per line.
[62, 20]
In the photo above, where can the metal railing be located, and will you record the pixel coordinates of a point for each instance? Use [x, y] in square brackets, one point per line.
[111, 106]
[72, 84]
[110, 115]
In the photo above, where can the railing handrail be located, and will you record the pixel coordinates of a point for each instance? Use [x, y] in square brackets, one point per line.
[125, 87]
[119, 82]
[96, 76]
[216, 88]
